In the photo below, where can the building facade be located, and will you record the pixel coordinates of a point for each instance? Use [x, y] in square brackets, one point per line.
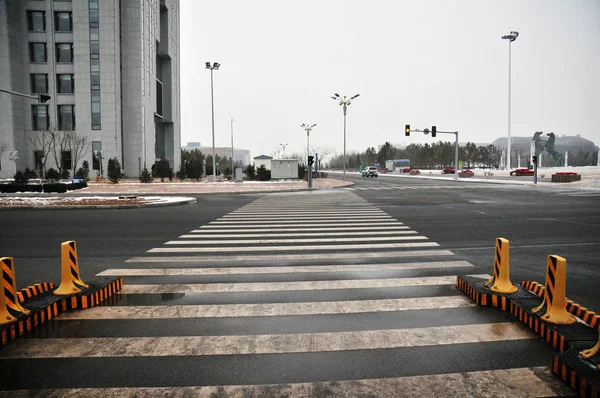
[111, 69]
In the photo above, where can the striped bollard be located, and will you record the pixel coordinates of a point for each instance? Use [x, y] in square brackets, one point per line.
[500, 280]
[595, 350]
[71, 282]
[8, 292]
[554, 304]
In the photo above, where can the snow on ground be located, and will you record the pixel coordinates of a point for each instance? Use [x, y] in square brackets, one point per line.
[124, 201]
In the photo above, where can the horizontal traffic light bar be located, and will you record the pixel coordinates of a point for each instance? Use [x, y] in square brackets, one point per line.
[433, 131]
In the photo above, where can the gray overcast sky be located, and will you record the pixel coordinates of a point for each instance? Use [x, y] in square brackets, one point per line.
[413, 62]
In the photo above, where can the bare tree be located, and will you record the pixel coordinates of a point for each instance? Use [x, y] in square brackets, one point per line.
[323, 151]
[79, 145]
[44, 141]
[60, 144]
[3, 147]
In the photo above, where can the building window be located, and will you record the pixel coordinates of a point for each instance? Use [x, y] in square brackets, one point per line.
[38, 52]
[63, 21]
[96, 125]
[66, 117]
[95, 80]
[65, 84]
[36, 21]
[66, 161]
[64, 52]
[94, 47]
[94, 18]
[96, 150]
[39, 83]
[94, 34]
[40, 117]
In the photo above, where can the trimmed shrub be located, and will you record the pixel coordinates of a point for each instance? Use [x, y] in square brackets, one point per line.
[52, 174]
[146, 177]
[20, 178]
[114, 170]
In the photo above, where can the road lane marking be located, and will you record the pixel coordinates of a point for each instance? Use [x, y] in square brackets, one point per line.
[357, 221]
[307, 240]
[508, 383]
[267, 235]
[283, 270]
[102, 347]
[296, 224]
[287, 286]
[221, 229]
[269, 309]
[288, 257]
[230, 249]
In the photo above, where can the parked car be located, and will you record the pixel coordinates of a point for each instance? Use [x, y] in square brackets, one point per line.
[523, 171]
[370, 171]
[448, 170]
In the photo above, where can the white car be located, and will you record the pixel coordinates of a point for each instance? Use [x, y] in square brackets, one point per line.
[370, 171]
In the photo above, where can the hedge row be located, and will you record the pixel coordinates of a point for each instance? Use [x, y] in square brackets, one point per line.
[58, 187]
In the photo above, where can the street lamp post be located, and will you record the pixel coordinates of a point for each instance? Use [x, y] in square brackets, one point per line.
[308, 129]
[345, 103]
[283, 149]
[232, 170]
[215, 66]
[512, 36]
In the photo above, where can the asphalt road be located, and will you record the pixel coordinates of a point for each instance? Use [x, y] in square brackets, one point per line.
[537, 221]
[245, 310]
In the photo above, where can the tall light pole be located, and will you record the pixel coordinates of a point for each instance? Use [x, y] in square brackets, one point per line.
[512, 36]
[345, 103]
[283, 148]
[215, 66]
[307, 128]
[232, 170]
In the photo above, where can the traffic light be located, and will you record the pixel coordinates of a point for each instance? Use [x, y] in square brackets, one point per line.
[433, 131]
[311, 160]
[534, 159]
[407, 131]
[43, 98]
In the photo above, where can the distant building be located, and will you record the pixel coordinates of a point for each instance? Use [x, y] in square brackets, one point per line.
[263, 160]
[239, 155]
[111, 69]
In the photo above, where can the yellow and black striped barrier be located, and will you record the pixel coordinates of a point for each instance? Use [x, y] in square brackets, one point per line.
[551, 320]
[587, 316]
[554, 306]
[500, 281]
[33, 290]
[71, 282]
[8, 294]
[39, 303]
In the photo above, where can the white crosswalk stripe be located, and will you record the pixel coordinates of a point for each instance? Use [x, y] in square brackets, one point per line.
[279, 299]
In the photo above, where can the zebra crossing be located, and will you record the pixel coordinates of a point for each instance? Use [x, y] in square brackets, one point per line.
[302, 294]
[417, 187]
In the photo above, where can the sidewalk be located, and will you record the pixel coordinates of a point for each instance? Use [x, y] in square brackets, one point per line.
[129, 187]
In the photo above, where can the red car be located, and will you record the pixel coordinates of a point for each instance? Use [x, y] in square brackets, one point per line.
[523, 171]
[448, 170]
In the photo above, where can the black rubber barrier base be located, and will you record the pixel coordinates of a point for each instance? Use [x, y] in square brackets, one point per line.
[582, 375]
[47, 305]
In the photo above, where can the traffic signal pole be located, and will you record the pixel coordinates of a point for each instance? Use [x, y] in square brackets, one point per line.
[42, 98]
[435, 131]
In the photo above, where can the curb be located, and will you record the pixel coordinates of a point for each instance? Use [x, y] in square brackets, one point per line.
[88, 207]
